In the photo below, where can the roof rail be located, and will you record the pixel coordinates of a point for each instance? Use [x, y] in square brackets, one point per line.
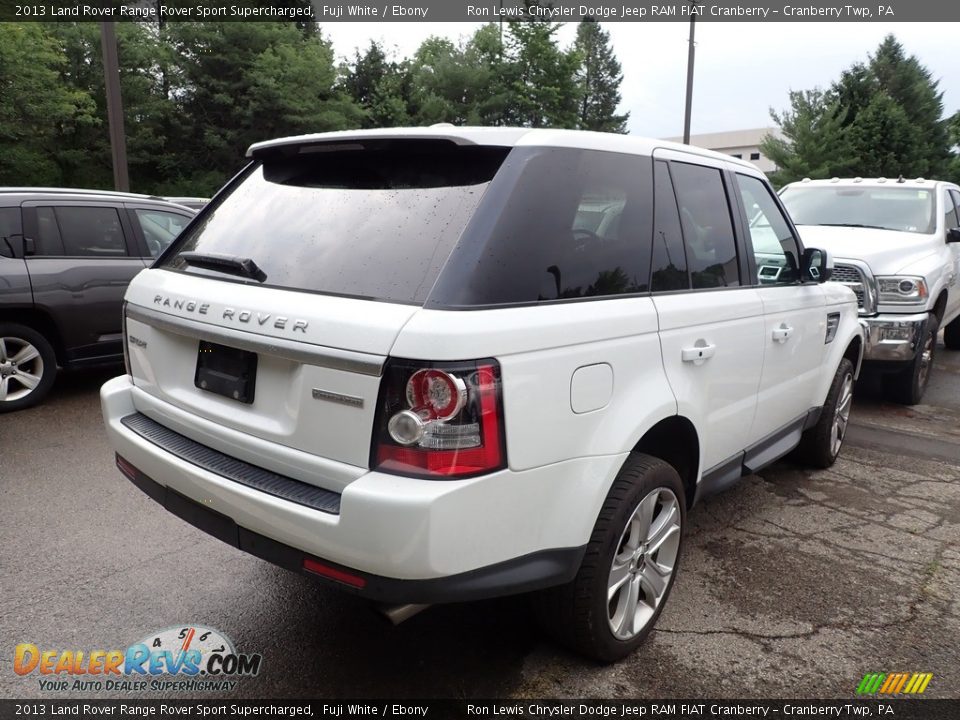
[77, 191]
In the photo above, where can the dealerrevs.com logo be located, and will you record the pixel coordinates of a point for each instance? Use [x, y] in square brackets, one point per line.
[185, 658]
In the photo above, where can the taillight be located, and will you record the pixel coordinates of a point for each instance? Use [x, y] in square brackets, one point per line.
[439, 420]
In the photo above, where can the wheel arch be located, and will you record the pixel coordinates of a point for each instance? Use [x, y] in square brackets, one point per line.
[39, 321]
[940, 306]
[675, 440]
[854, 353]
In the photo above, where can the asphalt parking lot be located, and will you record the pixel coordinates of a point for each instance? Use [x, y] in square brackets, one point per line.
[793, 584]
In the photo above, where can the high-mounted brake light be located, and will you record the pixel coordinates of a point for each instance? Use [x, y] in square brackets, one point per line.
[439, 420]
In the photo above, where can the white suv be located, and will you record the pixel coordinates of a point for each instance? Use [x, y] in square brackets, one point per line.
[897, 246]
[441, 364]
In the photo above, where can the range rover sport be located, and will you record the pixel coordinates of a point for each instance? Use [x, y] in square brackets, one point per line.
[443, 364]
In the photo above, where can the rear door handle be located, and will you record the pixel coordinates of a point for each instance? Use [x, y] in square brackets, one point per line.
[782, 334]
[698, 353]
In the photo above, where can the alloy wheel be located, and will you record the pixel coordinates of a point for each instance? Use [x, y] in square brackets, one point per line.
[21, 368]
[644, 563]
[841, 416]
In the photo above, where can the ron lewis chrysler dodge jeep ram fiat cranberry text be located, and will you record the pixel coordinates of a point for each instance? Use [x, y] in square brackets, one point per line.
[443, 364]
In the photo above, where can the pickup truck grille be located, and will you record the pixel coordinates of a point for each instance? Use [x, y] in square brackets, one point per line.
[850, 276]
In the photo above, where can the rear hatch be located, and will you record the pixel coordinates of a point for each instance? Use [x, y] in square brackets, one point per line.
[273, 313]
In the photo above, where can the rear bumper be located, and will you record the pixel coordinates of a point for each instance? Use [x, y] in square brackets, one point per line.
[893, 338]
[410, 540]
[524, 574]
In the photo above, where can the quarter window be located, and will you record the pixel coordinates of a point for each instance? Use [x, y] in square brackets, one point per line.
[774, 247]
[707, 226]
[160, 228]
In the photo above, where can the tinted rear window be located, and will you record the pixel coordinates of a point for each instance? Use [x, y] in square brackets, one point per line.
[372, 219]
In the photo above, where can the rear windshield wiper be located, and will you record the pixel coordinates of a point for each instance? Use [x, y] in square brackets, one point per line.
[857, 225]
[230, 264]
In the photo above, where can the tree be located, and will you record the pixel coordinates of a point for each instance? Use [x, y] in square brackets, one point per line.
[37, 106]
[541, 77]
[598, 78]
[883, 117]
[293, 90]
[379, 86]
[814, 142]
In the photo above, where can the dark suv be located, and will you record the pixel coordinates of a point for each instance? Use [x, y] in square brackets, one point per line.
[66, 257]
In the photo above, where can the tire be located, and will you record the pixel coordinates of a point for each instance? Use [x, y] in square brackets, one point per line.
[907, 386]
[820, 445]
[28, 367]
[951, 335]
[647, 492]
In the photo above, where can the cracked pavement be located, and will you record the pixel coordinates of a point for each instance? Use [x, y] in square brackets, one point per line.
[793, 584]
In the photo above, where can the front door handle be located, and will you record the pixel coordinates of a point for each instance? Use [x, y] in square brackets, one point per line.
[697, 354]
[782, 334]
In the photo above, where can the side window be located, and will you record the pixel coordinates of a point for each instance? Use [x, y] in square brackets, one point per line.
[950, 210]
[10, 230]
[160, 228]
[707, 226]
[48, 237]
[669, 263]
[91, 231]
[774, 247]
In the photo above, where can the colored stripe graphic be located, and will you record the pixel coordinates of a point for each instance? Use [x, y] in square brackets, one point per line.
[894, 683]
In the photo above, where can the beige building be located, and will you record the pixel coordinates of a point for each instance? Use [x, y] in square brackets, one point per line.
[743, 144]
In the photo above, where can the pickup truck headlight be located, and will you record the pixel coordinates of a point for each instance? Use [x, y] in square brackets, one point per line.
[902, 289]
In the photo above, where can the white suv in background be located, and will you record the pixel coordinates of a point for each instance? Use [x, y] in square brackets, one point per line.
[442, 364]
[897, 245]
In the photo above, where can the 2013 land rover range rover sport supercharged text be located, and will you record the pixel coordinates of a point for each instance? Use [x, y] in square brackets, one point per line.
[443, 364]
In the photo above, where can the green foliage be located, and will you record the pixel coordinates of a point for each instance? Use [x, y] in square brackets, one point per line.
[196, 95]
[38, 107]
[814, 142]
[881, 118]
[540, 77]
[598, 78]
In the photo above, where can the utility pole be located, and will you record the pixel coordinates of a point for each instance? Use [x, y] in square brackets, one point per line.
[111, 78]
[690, 53]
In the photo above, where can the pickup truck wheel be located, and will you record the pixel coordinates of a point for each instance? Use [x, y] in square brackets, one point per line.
[820, 445]
[28, 367]
[907, 386]
[629, 566]
[951, 335]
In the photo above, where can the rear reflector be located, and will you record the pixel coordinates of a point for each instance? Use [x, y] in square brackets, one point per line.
[127, 469]
[318, 568]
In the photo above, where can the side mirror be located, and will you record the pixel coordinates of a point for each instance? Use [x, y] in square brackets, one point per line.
[816, 265]
[953, 235]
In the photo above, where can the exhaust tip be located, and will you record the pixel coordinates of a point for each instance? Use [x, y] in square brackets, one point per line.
[397, 614]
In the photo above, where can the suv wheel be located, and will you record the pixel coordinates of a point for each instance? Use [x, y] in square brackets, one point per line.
[951, 335]
[28, 367]
[908, 385]
[628, 568]
[820, 445]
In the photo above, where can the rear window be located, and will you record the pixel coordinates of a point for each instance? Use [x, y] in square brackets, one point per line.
[369, 219]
